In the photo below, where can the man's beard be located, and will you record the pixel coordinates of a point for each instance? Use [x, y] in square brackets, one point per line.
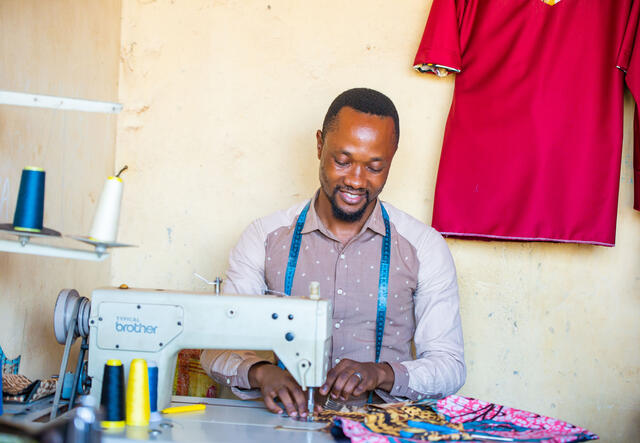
[349, 217]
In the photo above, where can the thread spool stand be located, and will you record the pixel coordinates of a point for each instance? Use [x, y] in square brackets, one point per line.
[100, 247]
[24, 246]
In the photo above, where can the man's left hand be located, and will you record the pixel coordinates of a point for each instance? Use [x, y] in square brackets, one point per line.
[351, 379]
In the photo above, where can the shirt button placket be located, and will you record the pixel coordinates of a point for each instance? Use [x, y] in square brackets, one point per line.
[339, 300]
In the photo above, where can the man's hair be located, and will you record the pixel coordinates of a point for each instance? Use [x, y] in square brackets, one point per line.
[364, 100]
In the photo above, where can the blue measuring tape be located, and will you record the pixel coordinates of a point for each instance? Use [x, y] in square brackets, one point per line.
[294, 250]
[383, 281]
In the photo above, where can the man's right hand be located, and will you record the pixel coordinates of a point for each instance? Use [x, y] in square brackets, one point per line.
[278, 383]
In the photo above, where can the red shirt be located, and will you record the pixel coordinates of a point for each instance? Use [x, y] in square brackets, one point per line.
[532, 146]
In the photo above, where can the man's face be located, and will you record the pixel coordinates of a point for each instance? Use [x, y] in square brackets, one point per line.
[355, 156]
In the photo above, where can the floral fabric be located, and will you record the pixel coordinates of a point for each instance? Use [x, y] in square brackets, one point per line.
[468, 419]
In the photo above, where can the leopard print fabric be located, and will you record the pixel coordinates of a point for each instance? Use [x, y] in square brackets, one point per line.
[391, 419]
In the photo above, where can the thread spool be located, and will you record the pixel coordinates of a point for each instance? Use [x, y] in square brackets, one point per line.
[112, 399]
[152, 370]
[137, 404]
[30, 205]
[105, 221]
[137, 433]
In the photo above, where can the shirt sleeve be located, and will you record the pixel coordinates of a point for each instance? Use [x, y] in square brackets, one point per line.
[244, 276]
[629, 62]
[439, 369]
[439, 51]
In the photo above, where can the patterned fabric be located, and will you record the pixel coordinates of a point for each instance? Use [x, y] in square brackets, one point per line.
[394, 418]
[472, 418]
[494, 419]
[190, 379]
[47, 387]
[18, 388]
[13, 384]
[551, 2]
[9, 366]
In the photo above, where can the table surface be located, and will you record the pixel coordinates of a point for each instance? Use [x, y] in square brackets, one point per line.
[224, 421]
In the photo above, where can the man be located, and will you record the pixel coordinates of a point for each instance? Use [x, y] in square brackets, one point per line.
[347, 238]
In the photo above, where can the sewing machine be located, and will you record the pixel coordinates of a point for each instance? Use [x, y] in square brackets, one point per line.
[156, 324]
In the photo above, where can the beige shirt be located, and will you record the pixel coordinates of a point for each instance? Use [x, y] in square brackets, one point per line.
[422, 301]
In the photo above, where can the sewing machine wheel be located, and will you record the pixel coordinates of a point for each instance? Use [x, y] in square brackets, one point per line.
[63, 311]
[85, 380]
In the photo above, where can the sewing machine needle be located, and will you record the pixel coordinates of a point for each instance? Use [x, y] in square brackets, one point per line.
[310, 404]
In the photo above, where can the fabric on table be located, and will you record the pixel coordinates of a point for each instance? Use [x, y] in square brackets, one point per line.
[393, 418]
[484, 417]
[468, 415]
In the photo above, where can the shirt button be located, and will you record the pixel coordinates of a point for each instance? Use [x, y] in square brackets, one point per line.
[342, 256]
[337, 325]
[339, 291]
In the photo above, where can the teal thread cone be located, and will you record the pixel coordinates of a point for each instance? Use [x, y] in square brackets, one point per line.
[30, 205]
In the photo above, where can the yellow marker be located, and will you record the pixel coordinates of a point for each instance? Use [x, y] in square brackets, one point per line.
[188, 408]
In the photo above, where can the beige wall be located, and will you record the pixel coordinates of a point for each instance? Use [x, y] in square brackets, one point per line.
[66, 48]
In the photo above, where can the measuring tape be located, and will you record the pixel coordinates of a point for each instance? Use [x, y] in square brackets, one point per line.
[383, 281]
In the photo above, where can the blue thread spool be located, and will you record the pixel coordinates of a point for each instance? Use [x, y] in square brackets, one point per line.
[112, 399]
[152, 369]
[30, 205]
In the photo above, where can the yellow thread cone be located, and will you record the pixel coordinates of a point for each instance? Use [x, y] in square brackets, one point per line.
[138, 394]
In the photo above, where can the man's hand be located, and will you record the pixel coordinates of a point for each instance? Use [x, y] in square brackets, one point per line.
[351, 379]
[275, 382]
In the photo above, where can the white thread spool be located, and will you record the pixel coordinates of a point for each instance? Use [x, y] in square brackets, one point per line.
[105, 221]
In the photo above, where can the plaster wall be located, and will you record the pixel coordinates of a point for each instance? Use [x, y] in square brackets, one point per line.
[222, 102]
[65, 48]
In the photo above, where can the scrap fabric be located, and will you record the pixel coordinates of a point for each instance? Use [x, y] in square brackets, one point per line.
[467, 418]
[7, 365]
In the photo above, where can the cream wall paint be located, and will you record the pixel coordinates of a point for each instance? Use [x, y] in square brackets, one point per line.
[65, 48]
[222, 99]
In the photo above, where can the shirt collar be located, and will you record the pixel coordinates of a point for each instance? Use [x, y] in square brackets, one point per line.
[375, 222]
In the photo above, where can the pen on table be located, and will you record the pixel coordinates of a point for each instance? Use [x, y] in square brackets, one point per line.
[187, 408]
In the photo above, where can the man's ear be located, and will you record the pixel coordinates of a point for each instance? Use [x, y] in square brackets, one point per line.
[319, 142]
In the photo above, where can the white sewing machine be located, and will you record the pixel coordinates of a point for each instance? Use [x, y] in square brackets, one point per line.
[155, 325]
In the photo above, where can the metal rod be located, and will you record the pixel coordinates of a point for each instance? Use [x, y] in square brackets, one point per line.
[71, 328]
[76, 373]
[310, 404]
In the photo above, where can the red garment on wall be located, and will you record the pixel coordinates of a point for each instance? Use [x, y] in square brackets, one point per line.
[532, 146]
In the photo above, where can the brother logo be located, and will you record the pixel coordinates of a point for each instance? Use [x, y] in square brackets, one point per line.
[137, 328]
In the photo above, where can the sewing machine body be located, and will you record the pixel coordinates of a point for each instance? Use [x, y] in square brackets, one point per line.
[156, 324]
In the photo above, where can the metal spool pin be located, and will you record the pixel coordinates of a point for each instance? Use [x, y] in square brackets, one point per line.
[70, 320]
